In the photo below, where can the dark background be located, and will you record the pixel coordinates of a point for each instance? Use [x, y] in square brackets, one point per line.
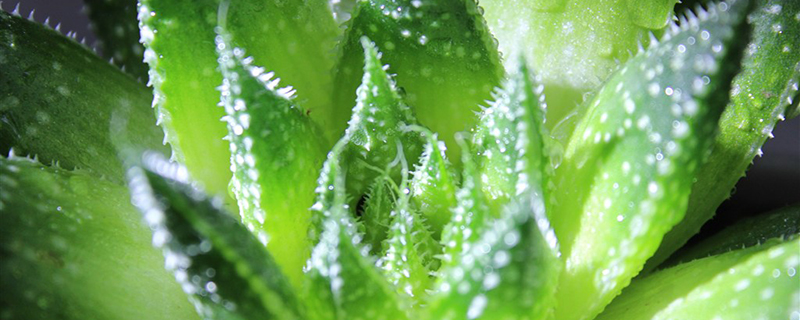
[772, 182]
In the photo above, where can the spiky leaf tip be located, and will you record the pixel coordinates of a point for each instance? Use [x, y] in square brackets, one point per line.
[444, 56]
[272, 141]
[433, 184]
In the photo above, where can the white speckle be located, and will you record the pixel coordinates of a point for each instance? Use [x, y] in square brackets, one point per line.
[476, 306]
[629, 106]
[652, 187]
[742, 284]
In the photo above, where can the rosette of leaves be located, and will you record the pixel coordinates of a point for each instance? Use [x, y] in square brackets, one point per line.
[424, 159]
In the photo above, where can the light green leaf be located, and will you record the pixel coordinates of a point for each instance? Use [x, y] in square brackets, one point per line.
[442, 52]
[72, 247]
[225, 271]
[276, 153]
[510, 141]
[179, 37]
[759, 99]
[62, 103]
[755, 283]
[376, 213]
[573, 45]
[433, 185]
[628, 169]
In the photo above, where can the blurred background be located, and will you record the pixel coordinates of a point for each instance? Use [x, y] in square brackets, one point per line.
[772, 182]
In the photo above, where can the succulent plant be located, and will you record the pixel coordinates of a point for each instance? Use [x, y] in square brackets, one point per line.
[446, 195]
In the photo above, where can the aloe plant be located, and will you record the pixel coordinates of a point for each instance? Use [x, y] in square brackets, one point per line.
[431, 159]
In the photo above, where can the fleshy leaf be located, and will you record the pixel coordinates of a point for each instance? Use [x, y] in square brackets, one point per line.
[510, 141]
[433, 185]
[573, 45]
[755, 283]
[469, 217]
[760, 96]
[628, 169]
[409, 259]
[442, 52]
[114, 23]
[782, 223]
[222, 267]
[185, 79]
[340, 265]
[61, 102]
[510, 271]
[276, 153]
[376, 215]
[72, 247]
[377, 135]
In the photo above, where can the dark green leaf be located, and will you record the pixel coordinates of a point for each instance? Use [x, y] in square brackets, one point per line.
[61, 102]
[72, 247]
[226, 272]
[114, 23]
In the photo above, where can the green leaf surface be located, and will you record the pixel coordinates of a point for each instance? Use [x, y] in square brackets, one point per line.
[72, 247]
[433, 185]
[573, 45]
[755, 283]
[115, 25]
[783, 223]
[351, 285]
[510, 141]
[62, 103]
[225, 271]
[179, 37]
[276, 153]
[377, 135]
[759, 99]
[408, 261]
[511, 271]
[442, 52]
[627, 171]
[376, 215]
[469, 217]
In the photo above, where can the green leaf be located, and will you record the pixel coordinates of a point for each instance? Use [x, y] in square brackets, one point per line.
[509, 268]
[115, 25]
[755, 283]
[352, 286]
[510, 271]
[408, 261]
[276, 153]
[377, 135]
[783, 223]
[441, 50]
[179, 37]
[628, 169]
[376, 215]
[433, 185]
[225, 271]
[510, 141]
[759, 99]
[72, 247]
[573, 45]
[59, 101]
[469, 217]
